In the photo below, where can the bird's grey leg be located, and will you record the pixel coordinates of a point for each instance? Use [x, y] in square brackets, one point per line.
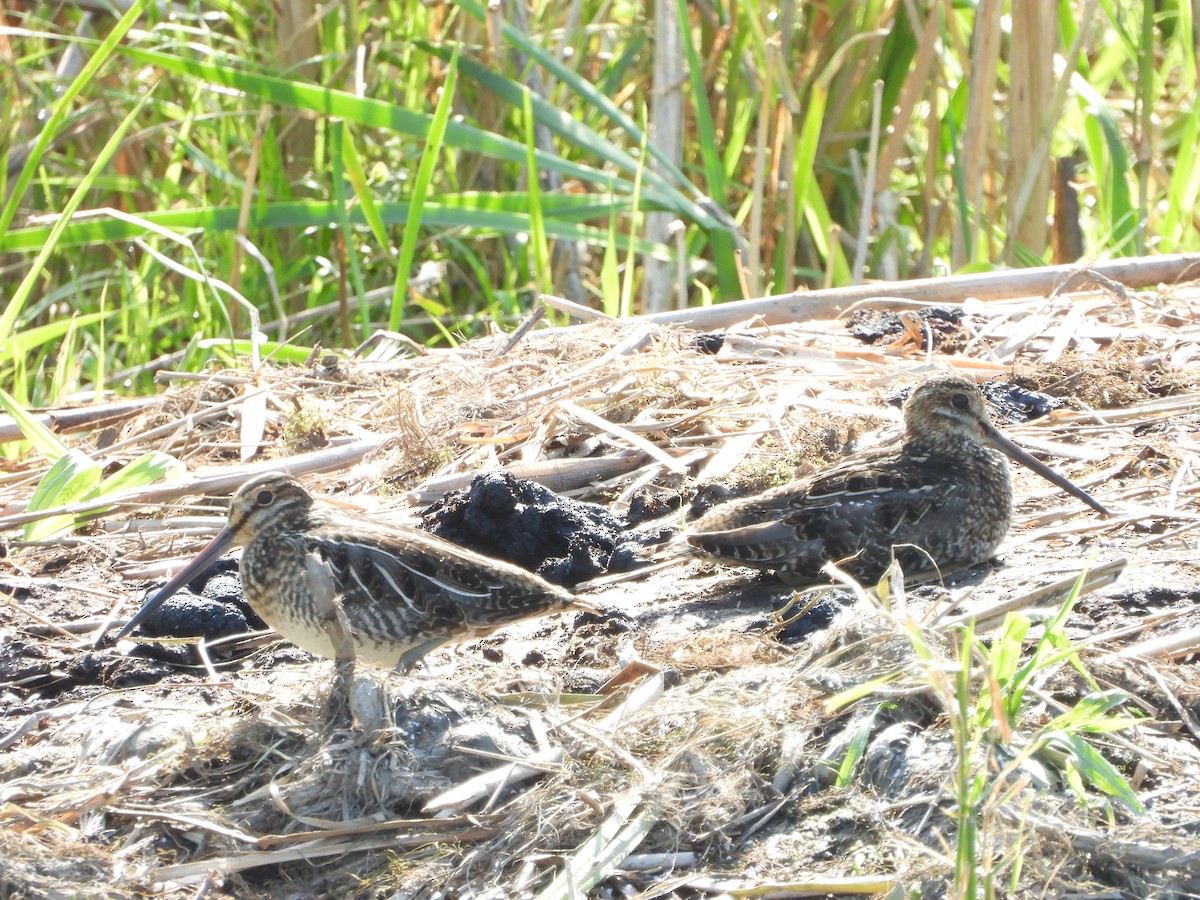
[337, 628]
[331, 616]
[413, 655]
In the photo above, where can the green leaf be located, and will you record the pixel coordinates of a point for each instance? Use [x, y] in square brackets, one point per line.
[590, 95]
[1113, 173]
[367, 111]
[412, 228]
[600, 855]
[33, 274]
[1006, 651]
[1094, 769]
[539, 248]
[27, 340]
[76, 477]
[362, 190]
[610, 278]
[144, 470]
[504, 213]
[44, 440]
[345, 162]
[1093, 714]
[72, 478]
[706, 132]
[282, 353]
[64, 106]
[858, 746]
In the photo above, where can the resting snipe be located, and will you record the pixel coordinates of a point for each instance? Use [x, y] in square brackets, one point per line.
[940, 495]
[345, 588]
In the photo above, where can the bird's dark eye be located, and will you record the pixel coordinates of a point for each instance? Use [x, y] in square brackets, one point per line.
[960, 401]
[265, 498]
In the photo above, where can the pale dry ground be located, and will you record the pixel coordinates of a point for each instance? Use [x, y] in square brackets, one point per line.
[673, 746]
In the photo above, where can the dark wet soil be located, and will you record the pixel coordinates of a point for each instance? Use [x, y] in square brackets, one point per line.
[35, 674]
[942, 323]
[1010, 403]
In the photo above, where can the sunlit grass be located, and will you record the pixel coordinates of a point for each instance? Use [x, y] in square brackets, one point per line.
[1009, 735]
[417, 160]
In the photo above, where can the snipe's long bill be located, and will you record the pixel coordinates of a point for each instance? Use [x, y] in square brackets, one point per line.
[339, 586]
[939, 497]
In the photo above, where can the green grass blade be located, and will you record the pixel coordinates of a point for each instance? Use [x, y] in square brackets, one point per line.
[500, 213]
[1093, 714]
[345, 159]
[610, 273]
[230, 351]
[21, 295]
[585, 139]
[1094, 769]
[582, 88]
[626, 306]
[1112, 172]
[539, 248]
[44, 440]
[72, 477]
[362, 190]
[858, 746]
[412, 228]
[28, 340]
[366, 111]
[600, 855]
[714, 169]
[62, 109]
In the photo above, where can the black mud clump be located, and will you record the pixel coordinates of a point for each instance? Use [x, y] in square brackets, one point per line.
[565, 541]
[211, 606]
[943, 324]
[1013, 404]
[651, 503]
[709, 342]
[798, 624]
[1010, 403]
[706, 497]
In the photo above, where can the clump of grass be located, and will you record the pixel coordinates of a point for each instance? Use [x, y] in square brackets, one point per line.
[305, 428]
[1008, 736]
[771, 463]
[422, 448]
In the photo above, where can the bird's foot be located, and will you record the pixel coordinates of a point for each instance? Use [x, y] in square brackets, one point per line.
[337, 710]
[357, 700]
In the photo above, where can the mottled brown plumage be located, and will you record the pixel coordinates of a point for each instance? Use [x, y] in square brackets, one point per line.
[344, 587]
[939, 496]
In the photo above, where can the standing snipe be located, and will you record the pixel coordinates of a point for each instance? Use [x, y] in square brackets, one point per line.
[939, 496]
[347, 588]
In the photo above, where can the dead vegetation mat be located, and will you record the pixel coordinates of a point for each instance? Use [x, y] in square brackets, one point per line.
[708, 732]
